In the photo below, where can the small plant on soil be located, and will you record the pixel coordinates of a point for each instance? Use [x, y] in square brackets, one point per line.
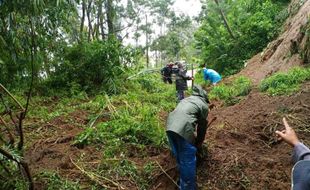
[231, 93]
[53, 181]
[285, 83]
[133, 121]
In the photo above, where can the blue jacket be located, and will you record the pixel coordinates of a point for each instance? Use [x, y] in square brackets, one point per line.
[301, 169]
[212, 75]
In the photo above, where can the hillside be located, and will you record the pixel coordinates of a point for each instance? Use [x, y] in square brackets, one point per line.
[80, 114]
[290, 49]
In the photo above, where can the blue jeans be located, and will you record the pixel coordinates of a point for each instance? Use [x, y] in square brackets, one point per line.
[185, 154]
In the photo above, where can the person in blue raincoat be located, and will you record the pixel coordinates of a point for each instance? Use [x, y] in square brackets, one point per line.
[212, 75]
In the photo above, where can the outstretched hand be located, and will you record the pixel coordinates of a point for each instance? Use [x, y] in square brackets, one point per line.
[288, 134]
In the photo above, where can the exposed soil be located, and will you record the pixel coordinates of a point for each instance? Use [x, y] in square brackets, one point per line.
[53, 149]
[243, 151]
[284, 52]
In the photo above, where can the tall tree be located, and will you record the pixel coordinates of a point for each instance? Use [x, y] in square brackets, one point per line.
[82, 19]
[224, 19]
[110, 11]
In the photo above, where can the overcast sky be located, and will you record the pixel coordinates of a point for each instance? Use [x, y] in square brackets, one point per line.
[189, 7]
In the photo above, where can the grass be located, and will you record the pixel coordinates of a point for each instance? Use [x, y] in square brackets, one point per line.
[119, 126]
[53, 181]
[285, 83]
[232, 92]
[134, 119]
[135, 124]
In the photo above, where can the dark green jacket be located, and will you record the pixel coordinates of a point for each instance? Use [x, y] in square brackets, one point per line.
[190, 113]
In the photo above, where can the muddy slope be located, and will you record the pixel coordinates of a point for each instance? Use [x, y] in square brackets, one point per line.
[243, 151]
[288, 50]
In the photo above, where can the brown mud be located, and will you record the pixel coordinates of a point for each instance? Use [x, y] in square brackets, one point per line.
[243, 150]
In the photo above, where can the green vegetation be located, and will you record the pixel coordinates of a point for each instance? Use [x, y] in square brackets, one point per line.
[54, 181]
[89, 65]
[231, 93]
[199, 78]
[16, 182]
[134, 118]
[251, 26]
[68, 58]
[285, 83]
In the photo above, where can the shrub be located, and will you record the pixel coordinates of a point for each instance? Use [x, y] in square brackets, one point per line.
[253, 23]
[54, 181]
[285, 83]
[230, 93]
[93, 66]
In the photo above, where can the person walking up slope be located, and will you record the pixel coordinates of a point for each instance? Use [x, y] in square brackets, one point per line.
[181, 81]
[186, 129]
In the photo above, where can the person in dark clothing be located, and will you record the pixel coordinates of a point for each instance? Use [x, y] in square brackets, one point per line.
[166, 73]
[301, 158]
[186, 129]
[181, 81]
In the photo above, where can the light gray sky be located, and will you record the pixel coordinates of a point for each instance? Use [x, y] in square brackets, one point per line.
[189, 7]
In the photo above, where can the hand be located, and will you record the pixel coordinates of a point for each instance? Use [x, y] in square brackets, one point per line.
[288, 135]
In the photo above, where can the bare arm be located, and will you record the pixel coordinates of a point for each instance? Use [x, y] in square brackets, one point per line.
[300, 151]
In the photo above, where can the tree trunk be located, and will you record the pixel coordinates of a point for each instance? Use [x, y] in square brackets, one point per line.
[90, 28]
[147, 44]
[100, 19]
[110, 17]
[82, 19]
[225, 20]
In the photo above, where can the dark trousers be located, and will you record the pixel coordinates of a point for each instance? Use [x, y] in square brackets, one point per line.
[185, 154]
[180, 95]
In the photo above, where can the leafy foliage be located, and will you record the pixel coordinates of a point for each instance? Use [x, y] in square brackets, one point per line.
[54, 181]
[255, 23]
[285, 83]
[92, 67]
[231, 93]
[18, 40]
[135, 121]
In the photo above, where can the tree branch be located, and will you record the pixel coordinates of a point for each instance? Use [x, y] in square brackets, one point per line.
[15, 100]
[21, 163]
